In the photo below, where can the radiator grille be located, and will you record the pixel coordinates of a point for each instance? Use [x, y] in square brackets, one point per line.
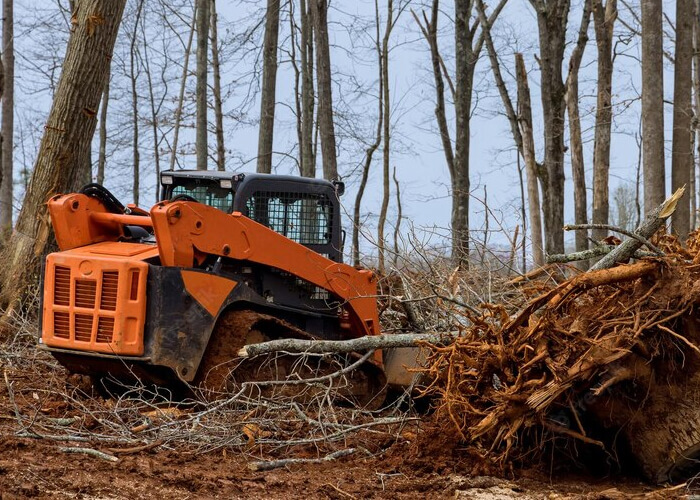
[110, 283]
[83, 327]
[105, 329]
[61, 289]
[61, 324]
[85, 293]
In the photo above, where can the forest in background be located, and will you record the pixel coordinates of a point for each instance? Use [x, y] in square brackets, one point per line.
[507, 119]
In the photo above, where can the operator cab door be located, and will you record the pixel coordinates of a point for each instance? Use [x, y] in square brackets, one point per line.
[304, 210]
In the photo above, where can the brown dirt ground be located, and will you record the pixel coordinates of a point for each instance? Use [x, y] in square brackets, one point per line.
[424, 464]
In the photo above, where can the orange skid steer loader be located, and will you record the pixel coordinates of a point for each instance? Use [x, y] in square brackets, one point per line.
[229, 259]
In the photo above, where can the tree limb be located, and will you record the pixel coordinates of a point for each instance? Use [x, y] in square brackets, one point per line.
[646, 229]
[344, 346]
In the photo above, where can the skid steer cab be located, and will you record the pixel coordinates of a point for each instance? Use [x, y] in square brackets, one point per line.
[225, 258]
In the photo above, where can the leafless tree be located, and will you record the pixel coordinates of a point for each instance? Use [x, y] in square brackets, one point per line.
[575, 136]
[216, 91]
[202, 72]
[319, 14]
[8, 120]
[269, 83]
[682, 150]
[66, 141]
[552, 18]
[604, 15]
[653, 103]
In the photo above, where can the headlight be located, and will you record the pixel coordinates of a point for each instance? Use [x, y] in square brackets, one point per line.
[166, 180]
[226, 184]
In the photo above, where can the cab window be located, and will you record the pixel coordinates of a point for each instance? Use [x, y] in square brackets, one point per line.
[209, 194]
[302, 217]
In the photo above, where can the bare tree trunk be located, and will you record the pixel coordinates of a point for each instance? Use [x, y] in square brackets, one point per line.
[181, 98]
[269, 82]
[386, 156]
[465, 62]
[531, 168]
[308, 156]
[696, 132]
[202, 71]
[218, 107]
[682, 156]
[604, 20]
[552, 18]
[319, 9]
[65, 144]
[154, 110]
[575, 136]
[653, 103]
[133, 75]
[369, 154]
[102, 153]
[399, 215]
[8, 119]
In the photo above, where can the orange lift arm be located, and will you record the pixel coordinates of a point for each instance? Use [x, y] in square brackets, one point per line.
[187, 231]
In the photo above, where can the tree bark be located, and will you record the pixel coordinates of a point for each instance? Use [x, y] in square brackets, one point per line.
[386, 156]
[653, 103]
[532, 170]
[201, 138]
[319, 10]
[604, 20]
[308, 157]
[269, 83]
[465, 62]
[218, 106]
[66, 141]
[102, 152]
[133, 76]
[682, 151]
[552, 16]
[575, 136]
[8, 119]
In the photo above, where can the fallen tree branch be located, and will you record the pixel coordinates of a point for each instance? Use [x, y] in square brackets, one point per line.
[591, 253]
[276, 464]
[651, 224]
[90, 451]
[345, 346]
[615, 229]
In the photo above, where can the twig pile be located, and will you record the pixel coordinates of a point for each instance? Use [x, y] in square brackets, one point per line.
[511, 377]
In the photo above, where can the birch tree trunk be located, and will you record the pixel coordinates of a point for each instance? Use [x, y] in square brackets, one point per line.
[653, 104]
[604, 21]
[218, 107]
[8, 119]
[552, 17]
[201, 139]
[319, 9]
[682, 151]
[575, 137]
[269, 82]
[66, 142]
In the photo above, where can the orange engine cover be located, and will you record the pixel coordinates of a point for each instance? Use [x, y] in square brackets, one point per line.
[95, 298]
